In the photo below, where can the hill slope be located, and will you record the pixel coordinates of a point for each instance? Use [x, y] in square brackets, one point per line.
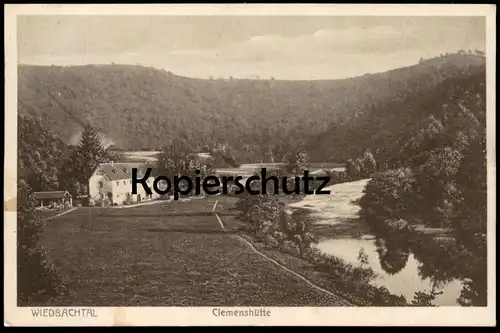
[137, 107]
[386, 127]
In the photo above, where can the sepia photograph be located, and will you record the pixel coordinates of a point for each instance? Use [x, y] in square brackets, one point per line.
[245, 162]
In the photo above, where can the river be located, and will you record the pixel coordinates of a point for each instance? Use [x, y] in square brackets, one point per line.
[338, 213]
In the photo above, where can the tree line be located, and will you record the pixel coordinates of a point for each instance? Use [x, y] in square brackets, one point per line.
[46, 163]
[436, 178]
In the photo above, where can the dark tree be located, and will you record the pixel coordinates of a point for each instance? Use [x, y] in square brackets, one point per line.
[37, 281]
[176, 157]
[90, 152]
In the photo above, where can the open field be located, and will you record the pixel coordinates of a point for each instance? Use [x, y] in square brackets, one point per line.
[159, 255]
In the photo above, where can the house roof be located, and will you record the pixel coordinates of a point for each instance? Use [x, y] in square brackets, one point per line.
[117, 171]
[50, 195]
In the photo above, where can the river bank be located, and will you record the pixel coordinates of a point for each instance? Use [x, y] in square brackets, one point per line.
[342, 233]
[349, 281]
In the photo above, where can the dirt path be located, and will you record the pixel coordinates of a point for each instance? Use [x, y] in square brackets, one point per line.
[60, 214]
[285, 269]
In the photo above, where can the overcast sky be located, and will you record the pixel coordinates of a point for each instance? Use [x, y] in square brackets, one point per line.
[289, 47]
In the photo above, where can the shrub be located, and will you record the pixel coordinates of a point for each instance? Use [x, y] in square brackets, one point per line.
[246, 206]
[388, 196]
[260, 211]
[355, 281]
[337, 177]
[288, 232]
[128, 199]
[425, 298]
[298, 230]
[53, 205]
[86, 201]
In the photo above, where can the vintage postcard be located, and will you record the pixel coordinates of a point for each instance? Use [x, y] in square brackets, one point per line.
[250, 165]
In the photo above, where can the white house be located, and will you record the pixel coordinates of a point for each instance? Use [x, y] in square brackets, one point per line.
[114, 180]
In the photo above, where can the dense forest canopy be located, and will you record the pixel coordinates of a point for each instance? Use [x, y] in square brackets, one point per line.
[142, 108]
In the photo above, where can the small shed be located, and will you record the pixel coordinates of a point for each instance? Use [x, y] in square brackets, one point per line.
[63, 198]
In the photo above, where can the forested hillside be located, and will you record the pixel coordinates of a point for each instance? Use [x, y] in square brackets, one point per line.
[385, 127]
[439, 182]
[142, 108]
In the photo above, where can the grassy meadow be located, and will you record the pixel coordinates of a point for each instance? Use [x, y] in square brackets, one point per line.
[164, 255]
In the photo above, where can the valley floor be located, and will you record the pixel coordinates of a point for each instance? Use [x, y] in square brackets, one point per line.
[169, 254]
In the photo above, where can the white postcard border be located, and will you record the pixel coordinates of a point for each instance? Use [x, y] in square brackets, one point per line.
[283, 316]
